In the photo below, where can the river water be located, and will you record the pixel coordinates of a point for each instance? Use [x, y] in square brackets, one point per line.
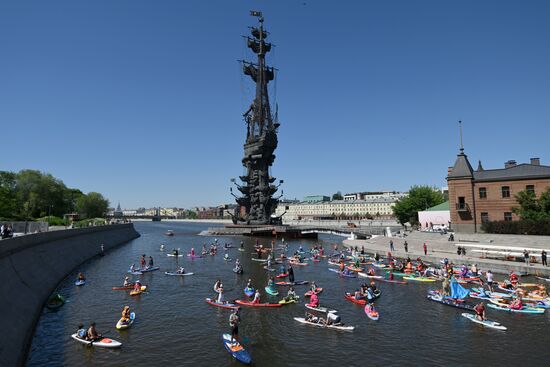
[174, 326]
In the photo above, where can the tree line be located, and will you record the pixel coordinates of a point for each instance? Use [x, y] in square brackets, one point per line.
[31, 194]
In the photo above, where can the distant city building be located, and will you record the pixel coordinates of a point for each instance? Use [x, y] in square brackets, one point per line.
[367, 195]
[488, 195]
[379, 208]
[316, 198]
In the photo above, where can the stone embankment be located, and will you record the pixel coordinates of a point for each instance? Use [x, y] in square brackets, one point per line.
[32, 266]
[439, 247]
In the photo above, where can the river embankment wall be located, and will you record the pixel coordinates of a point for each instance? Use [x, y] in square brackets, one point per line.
[32, 266]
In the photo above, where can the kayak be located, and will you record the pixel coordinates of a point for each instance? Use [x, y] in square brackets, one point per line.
[55, 302]
[320, 309]
[336, 327]
[317, 291]
[271, 291]
[228, 305]
[488, 323]
[126, 325]
[136, 293]
[449, 302]
[283, 275]
[365, 275]
[351, 298]
[297, 282]
[146, 270]
[80, 282]
[236, 350]
[128, 288]
[251, 304]
[173, 273]
[532, 310]
[172, 255]
[373, 315]
[249, 291]
[419, 279]
[103, 342]
[286, 302]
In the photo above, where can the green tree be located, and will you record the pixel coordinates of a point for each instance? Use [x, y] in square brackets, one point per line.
[8, 200]
[531, 208]
[337, 196]
[419, 198]
[93, 205]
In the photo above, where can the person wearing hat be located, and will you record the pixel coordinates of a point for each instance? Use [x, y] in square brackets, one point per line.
[234, 320]
[126, 281]
[137, 286]
[92, 333]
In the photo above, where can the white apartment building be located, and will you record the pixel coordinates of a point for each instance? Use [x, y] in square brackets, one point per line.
[338, 209]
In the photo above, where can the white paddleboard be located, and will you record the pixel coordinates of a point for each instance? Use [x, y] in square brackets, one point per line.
[489, 324]
[103, 342]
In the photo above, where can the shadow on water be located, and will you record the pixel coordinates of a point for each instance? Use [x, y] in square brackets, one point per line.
[174, 326]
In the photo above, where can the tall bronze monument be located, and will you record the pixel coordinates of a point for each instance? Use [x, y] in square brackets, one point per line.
[257, 203]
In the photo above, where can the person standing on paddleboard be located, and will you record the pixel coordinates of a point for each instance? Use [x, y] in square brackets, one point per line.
[234, 320]
[290, 274]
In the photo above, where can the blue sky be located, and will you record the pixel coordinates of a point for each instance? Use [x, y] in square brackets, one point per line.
[142, 100]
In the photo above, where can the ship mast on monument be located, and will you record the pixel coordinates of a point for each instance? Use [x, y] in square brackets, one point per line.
[257, 204]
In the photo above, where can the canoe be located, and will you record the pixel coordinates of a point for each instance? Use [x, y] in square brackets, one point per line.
[320, 309]
[419, 279]
[365, 275]
[236, 350]
[351, 298]
[55, 302]
[531, 310]
[251, 304]
[103, 342]
[317, 291]
[335, 327]
[249, 291]
[147, 270]
[297, 282]
[120, 325]
[286, 302]
[284, 275]
[488, 323]
[271, 291]
[221, 305]
[373, 315]
[173, 273]
[80, 282]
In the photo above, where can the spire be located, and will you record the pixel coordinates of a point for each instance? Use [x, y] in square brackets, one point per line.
[479, 166]
[118, 207]
[461, 144]
[462, 167]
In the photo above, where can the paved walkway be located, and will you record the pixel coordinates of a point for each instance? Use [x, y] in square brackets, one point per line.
[439, 248]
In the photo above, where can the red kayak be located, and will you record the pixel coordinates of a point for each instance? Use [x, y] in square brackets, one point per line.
[252, 304]
[221, 305]
[351, 298]
[317, 291]
[284, 275]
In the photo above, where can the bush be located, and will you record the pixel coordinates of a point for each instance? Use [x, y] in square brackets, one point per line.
[54, 221]
[89, 222]
[525, 226]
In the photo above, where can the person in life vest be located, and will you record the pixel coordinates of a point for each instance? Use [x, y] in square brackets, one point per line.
[314, 300]
[516, 304]
[513, 277]
[480, 311]
[125, 314]
[142, 261]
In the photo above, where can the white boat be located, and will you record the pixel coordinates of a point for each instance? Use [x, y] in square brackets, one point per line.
[103, 342]
[336, 327]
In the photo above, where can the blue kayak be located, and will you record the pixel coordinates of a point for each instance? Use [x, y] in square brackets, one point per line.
[236, 350]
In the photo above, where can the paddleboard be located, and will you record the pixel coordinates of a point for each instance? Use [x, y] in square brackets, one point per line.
[488, 323]
[419, 279]
[373, 315]
[335, 327]
[103, 342]
[523, 310]
[80, 282]
[293, 300]
[298, 282]
[177, 274]
[228, 305]
[121, 325]
[365, 275]
[251, 304]
[172, 255]
[236, 350]
[320, 309]
[259, 260]
[147, 270]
